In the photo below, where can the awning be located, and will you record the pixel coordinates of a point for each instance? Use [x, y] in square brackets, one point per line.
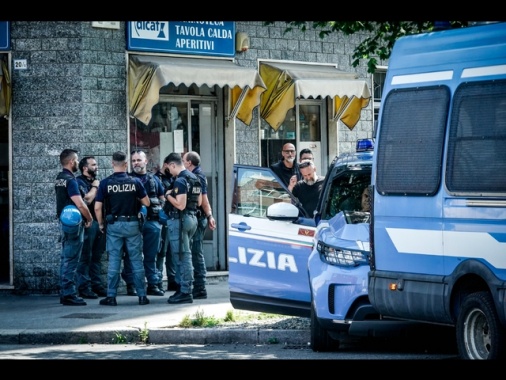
[289, 81]
[147, 74]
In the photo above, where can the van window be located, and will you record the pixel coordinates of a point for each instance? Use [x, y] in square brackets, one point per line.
[409, 159]
[477, 142]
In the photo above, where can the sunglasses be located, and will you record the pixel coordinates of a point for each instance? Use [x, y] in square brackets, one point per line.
[304, 164]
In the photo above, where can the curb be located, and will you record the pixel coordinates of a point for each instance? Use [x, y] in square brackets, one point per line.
[158, 336]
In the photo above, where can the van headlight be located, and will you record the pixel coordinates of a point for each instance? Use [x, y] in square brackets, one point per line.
[342, 257]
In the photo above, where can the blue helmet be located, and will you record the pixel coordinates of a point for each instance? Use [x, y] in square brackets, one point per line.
[71, 219]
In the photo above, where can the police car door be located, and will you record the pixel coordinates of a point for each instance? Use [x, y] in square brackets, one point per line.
[267, 258]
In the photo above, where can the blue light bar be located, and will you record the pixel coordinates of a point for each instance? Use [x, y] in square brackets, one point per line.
[364, 145]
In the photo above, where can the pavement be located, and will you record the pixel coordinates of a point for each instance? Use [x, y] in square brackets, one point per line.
[41, 319]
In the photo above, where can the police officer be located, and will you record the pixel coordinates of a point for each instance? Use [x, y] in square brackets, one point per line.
[164, 254]
[67, 193]
[89, 269]
[181, 207]
[151, 230]
[120, 194]
[191, 161]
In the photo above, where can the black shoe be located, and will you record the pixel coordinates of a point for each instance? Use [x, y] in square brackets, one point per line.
[154, 291]
[180, 298]
[199, 293]
[72, 300]
[143, 300]
[160, 286]
[101, 292]
[172, 286]
[131, 290]
[87, 293]
[109, 301]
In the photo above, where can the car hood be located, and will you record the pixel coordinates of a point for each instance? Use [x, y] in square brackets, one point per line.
[339, 232]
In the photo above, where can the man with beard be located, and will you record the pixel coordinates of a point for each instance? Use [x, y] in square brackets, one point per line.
[287, 167]
[151, 229]
[308, 189]
[89, 269]
[67, 193]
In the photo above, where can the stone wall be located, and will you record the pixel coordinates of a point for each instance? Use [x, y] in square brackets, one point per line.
[72, 95]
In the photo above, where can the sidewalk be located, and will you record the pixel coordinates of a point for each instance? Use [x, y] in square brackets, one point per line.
[43, 320]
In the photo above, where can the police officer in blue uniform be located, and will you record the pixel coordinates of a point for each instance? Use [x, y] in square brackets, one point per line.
[89, 270]
[120, 196]
[181, 207]
[164, 256]
[67, 193]
[151, 230]
[191, 161]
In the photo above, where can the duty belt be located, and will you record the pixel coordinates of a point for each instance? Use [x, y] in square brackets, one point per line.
[175, 214]
[131, 218]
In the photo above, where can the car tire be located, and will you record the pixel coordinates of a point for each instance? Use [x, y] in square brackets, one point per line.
[480, 334]
[320, 338]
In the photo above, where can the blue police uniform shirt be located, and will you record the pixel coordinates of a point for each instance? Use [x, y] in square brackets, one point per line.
[72, 185]
[102, 188]
[180, 184]
[202, 177]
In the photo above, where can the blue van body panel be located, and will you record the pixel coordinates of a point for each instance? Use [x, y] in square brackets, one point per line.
[431, 250]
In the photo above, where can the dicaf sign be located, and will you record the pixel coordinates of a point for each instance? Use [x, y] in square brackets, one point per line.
[213, 38]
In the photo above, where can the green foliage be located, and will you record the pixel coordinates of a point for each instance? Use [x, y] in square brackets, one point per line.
[229, 317]
[272, 341]
[119, 338]
[199, 319]
[144, 334]
[380, 36]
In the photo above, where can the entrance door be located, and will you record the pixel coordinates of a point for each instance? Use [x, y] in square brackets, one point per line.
[305, 126]
[182, 124]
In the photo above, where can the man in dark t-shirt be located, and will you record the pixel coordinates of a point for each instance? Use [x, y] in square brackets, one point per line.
[287, 167]
[308, 189]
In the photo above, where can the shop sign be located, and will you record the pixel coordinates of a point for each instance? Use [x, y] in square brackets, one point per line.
[208, 38]
[5, 35]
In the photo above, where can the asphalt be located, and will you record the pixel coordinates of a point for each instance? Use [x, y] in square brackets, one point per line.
[41, 319]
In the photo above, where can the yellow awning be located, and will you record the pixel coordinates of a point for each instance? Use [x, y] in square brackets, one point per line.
[147, 74]
[289, 81]
[5, 90]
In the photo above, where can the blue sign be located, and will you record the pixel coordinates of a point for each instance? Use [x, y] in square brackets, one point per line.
[5, 35]
[213, 38]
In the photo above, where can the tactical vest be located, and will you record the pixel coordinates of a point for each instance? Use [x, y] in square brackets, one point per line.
[194, 189]
[60, 187]
[155, 204]
[121, 196]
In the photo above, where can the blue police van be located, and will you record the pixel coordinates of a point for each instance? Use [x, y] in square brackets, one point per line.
[438, 219]
[282, 261]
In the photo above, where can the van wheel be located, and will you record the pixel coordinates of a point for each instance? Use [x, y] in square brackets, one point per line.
[479, 331]
[320, 338]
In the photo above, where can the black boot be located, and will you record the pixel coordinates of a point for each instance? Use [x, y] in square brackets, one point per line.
[153, 290]
[143, 300]
[179, 297]
[199, 293]
[109, 301]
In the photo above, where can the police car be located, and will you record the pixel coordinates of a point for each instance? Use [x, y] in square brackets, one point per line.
[282, 261]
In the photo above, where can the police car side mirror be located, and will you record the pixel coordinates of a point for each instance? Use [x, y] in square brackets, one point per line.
[283, 211]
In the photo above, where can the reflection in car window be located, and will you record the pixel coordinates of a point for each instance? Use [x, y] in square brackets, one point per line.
[255, 191]
[346, 193]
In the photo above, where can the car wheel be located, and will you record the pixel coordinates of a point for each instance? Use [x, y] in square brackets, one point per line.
[480, 334]
[320, 339]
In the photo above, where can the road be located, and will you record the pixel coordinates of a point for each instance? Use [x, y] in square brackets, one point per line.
[400, 349]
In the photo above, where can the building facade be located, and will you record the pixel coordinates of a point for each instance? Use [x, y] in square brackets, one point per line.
[82, 85]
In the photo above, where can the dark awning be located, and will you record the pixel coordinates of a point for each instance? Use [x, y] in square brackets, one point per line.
[147, 74]
[289, 81]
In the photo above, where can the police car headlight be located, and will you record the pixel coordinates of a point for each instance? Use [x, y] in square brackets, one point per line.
[342, 257]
